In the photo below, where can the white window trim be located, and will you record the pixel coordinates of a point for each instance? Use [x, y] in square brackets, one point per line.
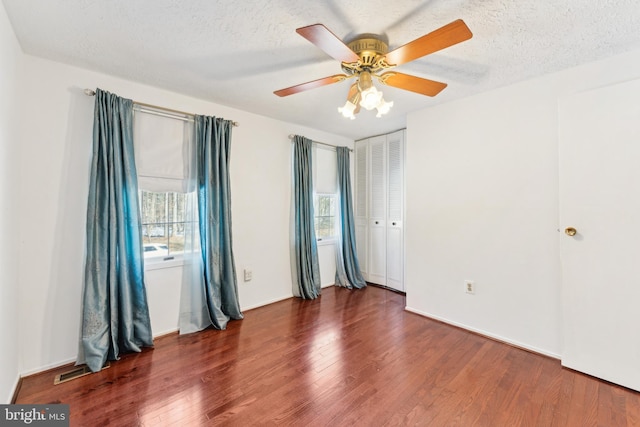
[326, 241]
[159, 262]
[331, 240]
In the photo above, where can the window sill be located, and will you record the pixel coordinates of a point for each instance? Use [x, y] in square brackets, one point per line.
[325, 242]
[160, 263]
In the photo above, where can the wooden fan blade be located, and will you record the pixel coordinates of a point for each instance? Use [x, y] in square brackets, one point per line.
[322, 37]
[446, 36]
[311, 85]
[412, 83]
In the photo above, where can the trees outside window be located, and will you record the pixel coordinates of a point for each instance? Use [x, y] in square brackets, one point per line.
[325, 216]
[163, 223]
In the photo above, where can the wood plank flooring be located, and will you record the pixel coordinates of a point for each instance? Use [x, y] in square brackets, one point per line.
[347, 358]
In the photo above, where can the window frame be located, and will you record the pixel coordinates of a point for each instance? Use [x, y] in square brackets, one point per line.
[329, 240]
[174, 259]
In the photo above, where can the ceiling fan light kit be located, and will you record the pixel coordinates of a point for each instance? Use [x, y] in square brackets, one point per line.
[383, 108]
[370, 96]
[366, 57]
[348, 110]
[352, 106]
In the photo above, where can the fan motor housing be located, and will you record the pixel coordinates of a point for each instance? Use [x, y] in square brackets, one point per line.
[371, 52]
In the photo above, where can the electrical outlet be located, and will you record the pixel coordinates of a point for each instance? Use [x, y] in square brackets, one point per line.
[469, 286]
[248, 274]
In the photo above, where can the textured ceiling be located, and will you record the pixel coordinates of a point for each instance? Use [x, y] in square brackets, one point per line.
[237, 53]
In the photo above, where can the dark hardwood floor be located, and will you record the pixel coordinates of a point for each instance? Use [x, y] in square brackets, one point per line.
[347, 358]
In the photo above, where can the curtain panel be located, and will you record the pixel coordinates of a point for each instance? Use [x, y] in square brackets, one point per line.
[348, 272]
[305, 245]
[115, 313]
[210, 290]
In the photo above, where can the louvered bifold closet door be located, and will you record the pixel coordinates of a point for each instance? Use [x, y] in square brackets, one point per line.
[360, 208]
[377, 263]
[395, 209]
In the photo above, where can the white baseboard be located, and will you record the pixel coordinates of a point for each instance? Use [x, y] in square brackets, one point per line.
[170, 331]
[47, 367]
[282, 298]
[12, 391]
[262, 304]
[73, 360]
[485, 333]
[163, 333]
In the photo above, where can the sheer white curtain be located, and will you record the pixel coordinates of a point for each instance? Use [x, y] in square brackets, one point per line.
[165, 151]
[210, 289]
[194, 314]
[192, 157]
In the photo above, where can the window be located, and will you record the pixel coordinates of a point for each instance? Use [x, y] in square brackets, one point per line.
[163, 150]
[163, 223]
[325, 217]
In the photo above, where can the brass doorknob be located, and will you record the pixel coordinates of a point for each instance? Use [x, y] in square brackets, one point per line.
[570, 231]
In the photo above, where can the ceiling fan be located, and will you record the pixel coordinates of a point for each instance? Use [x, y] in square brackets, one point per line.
[368, 57]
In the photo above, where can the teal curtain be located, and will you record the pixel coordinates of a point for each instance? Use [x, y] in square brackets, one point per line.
[305, 246]
[348, 272]
[219, 290]
[115, 314]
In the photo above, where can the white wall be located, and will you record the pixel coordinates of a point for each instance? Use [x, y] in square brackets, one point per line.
[56, 133]
[482, 204]
[10, 71]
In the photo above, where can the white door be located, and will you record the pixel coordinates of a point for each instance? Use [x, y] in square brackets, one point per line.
[395, 209]
[600, 197]
[360, 206]
[377, 251]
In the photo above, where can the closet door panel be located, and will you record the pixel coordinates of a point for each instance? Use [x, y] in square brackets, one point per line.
[379, 208]
[377, 264]
[377, 178]
[377, 253]
[395, 210]
[395, 176]
[361, 151]
[394, 257]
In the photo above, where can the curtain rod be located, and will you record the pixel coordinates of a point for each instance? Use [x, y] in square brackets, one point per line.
[167, 111]
[318, 142]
